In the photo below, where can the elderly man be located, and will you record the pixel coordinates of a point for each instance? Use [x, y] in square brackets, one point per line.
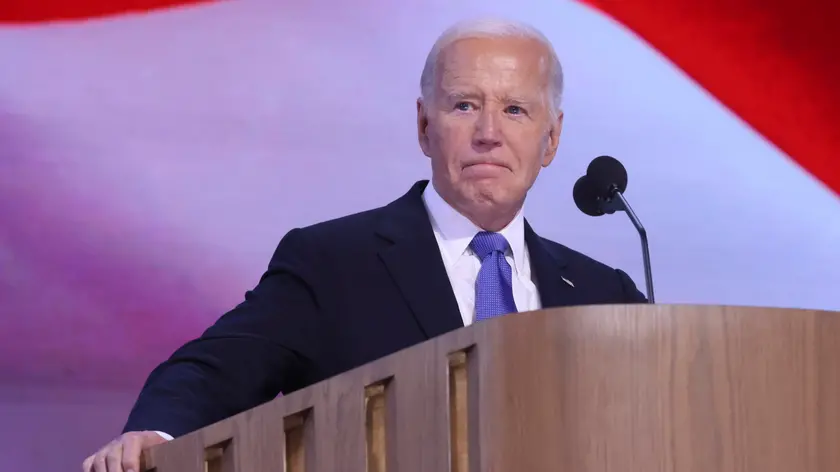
[346, 292]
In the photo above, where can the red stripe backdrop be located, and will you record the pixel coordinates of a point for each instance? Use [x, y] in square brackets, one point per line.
[31, 11]
[772, 62]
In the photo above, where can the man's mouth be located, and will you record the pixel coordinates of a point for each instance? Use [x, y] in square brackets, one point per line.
[485, 163]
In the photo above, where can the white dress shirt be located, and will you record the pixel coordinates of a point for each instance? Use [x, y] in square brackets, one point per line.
[454, 232]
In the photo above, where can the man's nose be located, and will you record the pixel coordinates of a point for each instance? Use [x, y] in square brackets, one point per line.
[486, 134]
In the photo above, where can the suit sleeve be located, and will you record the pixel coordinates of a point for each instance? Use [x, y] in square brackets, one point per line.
[631, 294]
[265, 346]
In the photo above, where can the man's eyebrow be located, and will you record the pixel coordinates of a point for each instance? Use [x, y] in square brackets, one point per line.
[461, 95]
[517, 100]
[511, 99]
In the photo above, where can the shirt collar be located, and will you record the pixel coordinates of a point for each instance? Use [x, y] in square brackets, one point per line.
[454, 231]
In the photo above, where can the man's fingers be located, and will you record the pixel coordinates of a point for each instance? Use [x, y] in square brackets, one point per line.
[87, 465]
[113, 459]
[99, 464]
[122, 454]
[132, 448]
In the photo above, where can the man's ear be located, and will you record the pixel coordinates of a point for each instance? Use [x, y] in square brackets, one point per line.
[553, 139]
[422, 126]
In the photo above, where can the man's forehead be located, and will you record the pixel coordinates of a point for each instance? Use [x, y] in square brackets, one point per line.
[509, 57]
[514, 64]
[508, 48]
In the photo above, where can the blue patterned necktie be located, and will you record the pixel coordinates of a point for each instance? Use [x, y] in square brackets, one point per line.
[493, 287]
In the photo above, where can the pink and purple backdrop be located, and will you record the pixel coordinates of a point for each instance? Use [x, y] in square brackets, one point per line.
[150, 161]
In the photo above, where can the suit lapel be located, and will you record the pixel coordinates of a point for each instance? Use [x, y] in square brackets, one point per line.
[553, 280]
[414, 262]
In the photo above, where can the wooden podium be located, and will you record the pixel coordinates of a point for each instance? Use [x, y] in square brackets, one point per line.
[647, 388]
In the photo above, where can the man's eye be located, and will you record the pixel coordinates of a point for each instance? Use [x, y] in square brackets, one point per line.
[515, 110]
[463, 106]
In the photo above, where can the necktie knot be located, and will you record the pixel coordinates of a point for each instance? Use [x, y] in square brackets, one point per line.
[485, 243]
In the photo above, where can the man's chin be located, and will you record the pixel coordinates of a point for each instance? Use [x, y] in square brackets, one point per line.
[490, 193]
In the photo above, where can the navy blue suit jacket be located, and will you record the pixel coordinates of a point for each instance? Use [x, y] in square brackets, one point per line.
[337, 295]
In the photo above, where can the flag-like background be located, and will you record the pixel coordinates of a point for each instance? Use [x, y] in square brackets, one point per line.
[152, 155]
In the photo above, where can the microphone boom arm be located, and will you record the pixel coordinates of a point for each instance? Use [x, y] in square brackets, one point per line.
[617, 202]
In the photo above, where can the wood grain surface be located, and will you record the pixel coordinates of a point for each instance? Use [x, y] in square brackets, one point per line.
[586, 389]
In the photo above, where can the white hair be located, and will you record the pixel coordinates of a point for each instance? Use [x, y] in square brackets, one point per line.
[494, 28]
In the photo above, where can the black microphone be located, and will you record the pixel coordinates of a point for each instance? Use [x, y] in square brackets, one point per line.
[601, 191]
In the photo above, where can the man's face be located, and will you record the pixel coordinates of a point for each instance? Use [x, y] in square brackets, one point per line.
[488, 128]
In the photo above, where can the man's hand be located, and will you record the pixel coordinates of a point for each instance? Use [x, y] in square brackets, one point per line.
[122, 454]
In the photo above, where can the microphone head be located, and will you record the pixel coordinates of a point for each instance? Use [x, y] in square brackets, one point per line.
[604, 172]
[587, 197]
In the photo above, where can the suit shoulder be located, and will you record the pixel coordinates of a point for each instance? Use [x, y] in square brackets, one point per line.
[349, 232]
[576, 259]
[356, 227]
[598, 273]
[363, 221]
